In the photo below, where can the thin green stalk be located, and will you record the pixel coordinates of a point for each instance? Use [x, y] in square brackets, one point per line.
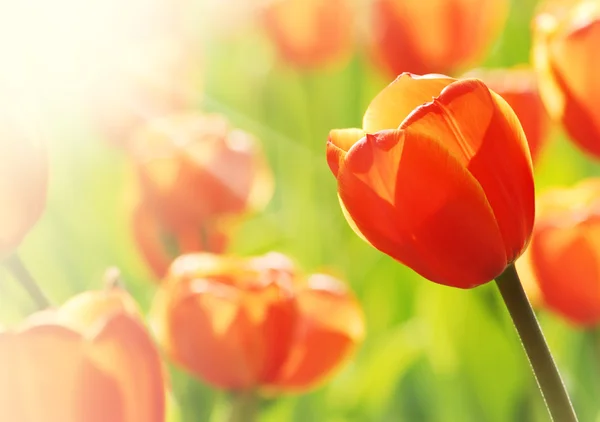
[20, 272]
[244, 407]
[546, 373]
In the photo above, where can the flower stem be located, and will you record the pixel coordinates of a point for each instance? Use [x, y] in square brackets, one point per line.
[20, 272]
[546, 373]
[244, 407]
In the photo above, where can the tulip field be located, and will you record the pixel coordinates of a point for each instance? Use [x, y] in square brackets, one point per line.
[300, 210]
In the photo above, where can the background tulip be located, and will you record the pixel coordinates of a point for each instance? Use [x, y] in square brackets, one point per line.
[450, 192]
[98, 364]
[23, 179]
[308, 33]
[245, 324]
[195, 174]
[519, 87]
[433, 36]
[565, 37]
[564, 255]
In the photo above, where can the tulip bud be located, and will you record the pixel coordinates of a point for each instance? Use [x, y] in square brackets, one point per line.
[565, 37]
[99, 364]
[309, 33]
[427, 36]
[23, 181]
[518, 86]
[247, 324]
[439, 178]
[196, 175]
[564, 253]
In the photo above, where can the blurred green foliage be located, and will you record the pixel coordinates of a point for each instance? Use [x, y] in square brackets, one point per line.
[432, 353]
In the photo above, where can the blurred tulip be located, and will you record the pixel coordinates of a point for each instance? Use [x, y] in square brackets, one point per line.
[433, 36]
[310, 33]
[23, 180]
[564, 254]
[194, 168]
[565, 38]
[245, 324]
[519, 87]
[91, 360]
[196, 176]
[439, 178]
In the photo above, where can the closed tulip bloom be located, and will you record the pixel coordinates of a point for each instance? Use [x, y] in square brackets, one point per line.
[564, 254]
[194, 168]
[458, 32]
[91, 360]
[250, 324]
[439, 178]
[565, 39]
[519, 87]
[309, 33]
[23, 180]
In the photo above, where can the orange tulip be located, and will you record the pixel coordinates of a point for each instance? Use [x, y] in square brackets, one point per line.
[23, 180]
[439, 178]
[194, 168]
[564, 254]
[426, 36]
[246, 324]
[91, 360]
[519, 87]
[564, 53]
[309, 33]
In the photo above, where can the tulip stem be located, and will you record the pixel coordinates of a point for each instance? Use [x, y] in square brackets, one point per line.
[544, 369]
[20, 272]
[244, 407]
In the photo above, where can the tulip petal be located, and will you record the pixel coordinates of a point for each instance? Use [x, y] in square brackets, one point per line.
[436, 221]
[64, 386]
[482, 132]
[396, 101]
[567, 263]
[338, 144]
[124, 350]
[575, 72]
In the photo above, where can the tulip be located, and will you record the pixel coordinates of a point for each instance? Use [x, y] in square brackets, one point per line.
[565, 37]
[310, 33]
[518, 86]
[439, 178]
[90, 360]
[194, 168]
[23, 181]
[563, 256]
[246, 324]
[426, 36]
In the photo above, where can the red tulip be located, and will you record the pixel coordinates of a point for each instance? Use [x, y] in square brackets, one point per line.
[426, 36]
[566, 35]
[310, 33]
[91, 360]
[246, 324]
[23, 180]
[564, 254]
[439, 178]
[518, 86]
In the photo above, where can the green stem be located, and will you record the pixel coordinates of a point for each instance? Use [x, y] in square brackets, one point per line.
[546, 373]
[20, 272]
[244, 407]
